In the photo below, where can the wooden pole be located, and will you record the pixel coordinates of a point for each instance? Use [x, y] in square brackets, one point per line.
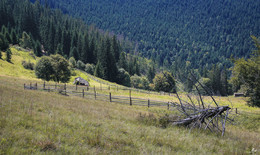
[44, 85]
[83, 93]
[130, 97]
[65, 89]
[148, 103]
[95, 95]
[236, 110]
[110, 97]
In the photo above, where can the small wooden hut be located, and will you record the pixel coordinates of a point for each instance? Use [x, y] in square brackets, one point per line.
[81, 81]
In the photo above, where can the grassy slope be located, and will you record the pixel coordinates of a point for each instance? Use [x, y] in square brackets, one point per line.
[36, 122]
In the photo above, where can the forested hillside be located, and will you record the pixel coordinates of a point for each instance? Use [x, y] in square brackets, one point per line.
[188, 32]
[48, 31]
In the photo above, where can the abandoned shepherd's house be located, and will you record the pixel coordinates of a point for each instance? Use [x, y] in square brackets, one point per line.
[81, 81]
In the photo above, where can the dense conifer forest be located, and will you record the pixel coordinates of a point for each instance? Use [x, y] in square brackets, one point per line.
[194, 33]
[48, 31]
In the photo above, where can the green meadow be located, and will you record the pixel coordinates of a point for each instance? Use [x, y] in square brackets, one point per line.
[39, 122]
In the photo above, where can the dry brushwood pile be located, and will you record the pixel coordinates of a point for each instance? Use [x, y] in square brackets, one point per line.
[196, 113]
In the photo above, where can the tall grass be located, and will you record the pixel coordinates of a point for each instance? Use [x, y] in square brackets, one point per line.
[41, 122]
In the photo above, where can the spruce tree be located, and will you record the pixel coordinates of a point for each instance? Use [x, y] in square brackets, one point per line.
[98, 70]
[8, 55]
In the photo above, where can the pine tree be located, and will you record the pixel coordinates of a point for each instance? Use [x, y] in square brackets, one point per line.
[37, 49]
[122, 61]
[115, 48]
[224, 83]
[151, 73]
[98, 70]
[8, 55]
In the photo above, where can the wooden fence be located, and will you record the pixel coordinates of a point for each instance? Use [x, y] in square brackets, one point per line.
[91, 93]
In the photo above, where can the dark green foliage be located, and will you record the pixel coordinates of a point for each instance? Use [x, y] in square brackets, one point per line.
[151, 74]
[54, 68]
[246, 74]
[44, 68]
[25, 41]
[90, 68]
[122, 61]
[124, 77]
[61, 68]
[99, 70]
[80, 65]
[49, 32]
[72, 62]
[28, 65]
[201, 32]
[139, 82]
[8, 55]
[37, 48]
[4, 45]
[164, 82]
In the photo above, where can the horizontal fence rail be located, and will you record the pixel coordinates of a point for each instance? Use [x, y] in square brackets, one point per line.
[91, 93]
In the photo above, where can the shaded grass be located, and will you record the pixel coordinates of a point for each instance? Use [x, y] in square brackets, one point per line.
[41, 122]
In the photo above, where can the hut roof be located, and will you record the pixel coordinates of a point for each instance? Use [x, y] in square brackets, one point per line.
[81, 81]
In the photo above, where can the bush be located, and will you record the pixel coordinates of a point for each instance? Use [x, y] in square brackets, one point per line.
[90, 68]
[124, 77]
[164, 82]
[80, 65]
[28, 65]
[72, 62]
[44, 69]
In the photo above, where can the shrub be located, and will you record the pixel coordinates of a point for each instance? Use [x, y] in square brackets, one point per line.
[28, 65]
[90, 68]
[80, 65]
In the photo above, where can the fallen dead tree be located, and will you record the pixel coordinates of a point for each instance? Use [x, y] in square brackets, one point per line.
[196, 113]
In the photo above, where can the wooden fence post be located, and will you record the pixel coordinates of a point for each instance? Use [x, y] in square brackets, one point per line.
[130, 97]
[65, 89]
[168, 105]
[148, 103]
[83, 93]
[95, 95]
[36, 86]
[43, 85]
[236, 110]
[117, 88]
[110, 97]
